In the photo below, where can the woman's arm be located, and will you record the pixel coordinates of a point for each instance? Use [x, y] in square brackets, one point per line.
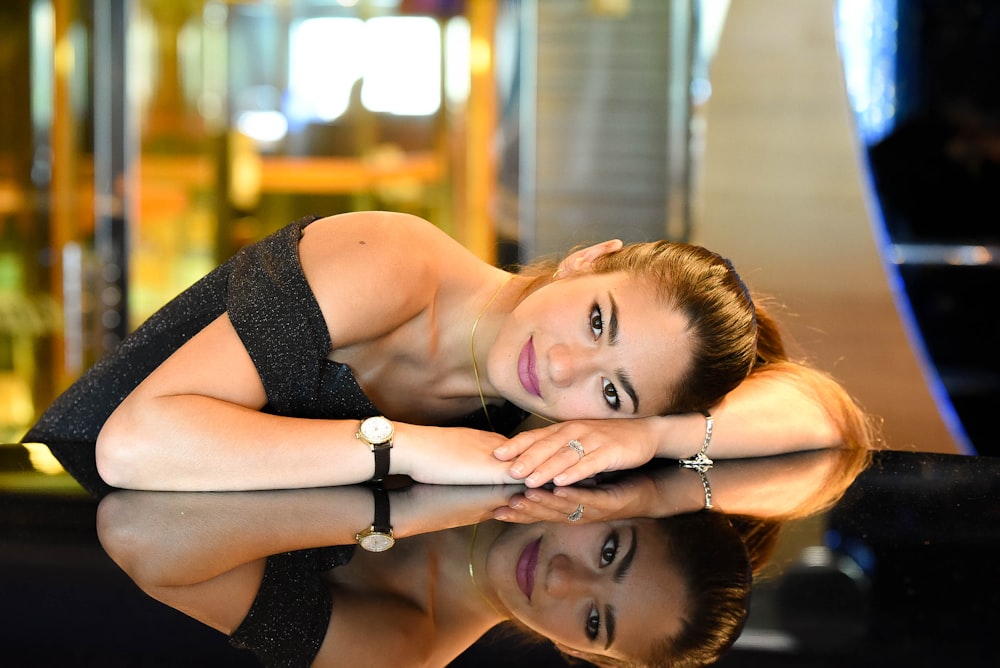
[784, 408]
[195, 423]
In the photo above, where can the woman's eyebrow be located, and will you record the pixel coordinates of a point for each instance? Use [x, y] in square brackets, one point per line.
[613, 334]
[610, 618]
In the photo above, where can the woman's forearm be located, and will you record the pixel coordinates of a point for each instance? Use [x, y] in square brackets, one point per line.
[197, 443]
[769, 413]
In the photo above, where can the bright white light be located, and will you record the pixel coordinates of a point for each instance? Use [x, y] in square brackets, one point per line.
[457, 47]
[402, 72]
[263, 126]
[325, 61]
[866, 36]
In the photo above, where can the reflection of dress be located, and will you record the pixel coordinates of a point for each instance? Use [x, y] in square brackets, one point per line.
[279, 321]
[289, 618]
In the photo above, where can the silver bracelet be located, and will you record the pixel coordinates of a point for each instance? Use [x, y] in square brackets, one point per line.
[708, 489]
[701, 462]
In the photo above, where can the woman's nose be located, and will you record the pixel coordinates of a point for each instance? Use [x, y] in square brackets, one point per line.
[567, 362]
[566, 579]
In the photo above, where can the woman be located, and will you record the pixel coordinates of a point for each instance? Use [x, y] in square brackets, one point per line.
[671, 591]
[258, 376]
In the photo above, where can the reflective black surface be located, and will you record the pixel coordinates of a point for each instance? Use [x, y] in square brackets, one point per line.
[902, 571]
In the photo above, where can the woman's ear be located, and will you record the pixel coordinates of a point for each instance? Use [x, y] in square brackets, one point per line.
[580, 261]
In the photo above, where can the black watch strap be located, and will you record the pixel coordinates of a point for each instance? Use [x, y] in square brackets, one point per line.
[381, 453]
[381, 521]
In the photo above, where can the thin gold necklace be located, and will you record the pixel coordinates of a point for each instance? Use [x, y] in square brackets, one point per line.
[472, 571]
[475, 366]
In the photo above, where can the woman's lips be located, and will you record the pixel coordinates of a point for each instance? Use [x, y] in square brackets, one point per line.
[526, 565]
[526, 369]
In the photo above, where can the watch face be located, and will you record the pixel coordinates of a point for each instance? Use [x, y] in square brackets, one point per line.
[377, 542]
[377, 430]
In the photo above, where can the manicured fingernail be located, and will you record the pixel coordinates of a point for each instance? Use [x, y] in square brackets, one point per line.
[531, 495]
[559, 479]
[515, 471]
[502, 450]
[531, 479]
[502, 516]
[517, 505]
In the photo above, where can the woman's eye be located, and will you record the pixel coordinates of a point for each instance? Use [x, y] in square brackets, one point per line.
[609, 550]
[610, 393]
[596, 321]
[593, 624]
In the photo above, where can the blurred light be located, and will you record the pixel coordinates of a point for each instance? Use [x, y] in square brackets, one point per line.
[265, 127]
[325, 61]
[457, 64]
[867, 38]
[402, 73]
[956, 255]
[396, 58]
[480, 56]
[42, 458]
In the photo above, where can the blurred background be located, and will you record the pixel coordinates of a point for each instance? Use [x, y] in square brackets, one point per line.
[144, 141]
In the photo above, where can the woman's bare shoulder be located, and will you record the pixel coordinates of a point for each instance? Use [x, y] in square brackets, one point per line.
[394, 264]
[376, 242]
[374, 231]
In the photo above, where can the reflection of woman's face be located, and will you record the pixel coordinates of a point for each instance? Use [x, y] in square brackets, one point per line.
[596, 588]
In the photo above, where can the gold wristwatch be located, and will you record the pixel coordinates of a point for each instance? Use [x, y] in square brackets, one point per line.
[377, 432]
[378, 537]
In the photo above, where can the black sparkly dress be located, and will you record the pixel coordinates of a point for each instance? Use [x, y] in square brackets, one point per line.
[275, 314]
[273, 310]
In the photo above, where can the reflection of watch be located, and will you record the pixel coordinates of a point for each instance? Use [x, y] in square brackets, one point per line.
[377, 432]
[378, 537]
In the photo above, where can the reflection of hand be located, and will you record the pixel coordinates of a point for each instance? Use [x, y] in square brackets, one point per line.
[602, 503]
[541, 455]
[428, 508]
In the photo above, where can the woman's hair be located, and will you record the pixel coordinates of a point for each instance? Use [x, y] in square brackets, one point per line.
[732, 336]
[725, 328]
[717, 566]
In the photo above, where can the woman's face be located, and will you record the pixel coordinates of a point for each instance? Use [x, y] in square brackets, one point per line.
[598, 588]
[591, 346]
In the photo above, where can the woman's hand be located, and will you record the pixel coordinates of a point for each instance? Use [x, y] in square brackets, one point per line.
[449, 456]
[542, 455]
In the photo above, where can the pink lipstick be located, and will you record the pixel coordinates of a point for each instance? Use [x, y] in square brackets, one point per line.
[526, 565]
[526, 369]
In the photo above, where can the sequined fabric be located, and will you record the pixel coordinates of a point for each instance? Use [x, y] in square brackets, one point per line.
[288, 620]
[277, 317]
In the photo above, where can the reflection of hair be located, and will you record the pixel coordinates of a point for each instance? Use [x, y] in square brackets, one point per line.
[858, 432]
[710, 554]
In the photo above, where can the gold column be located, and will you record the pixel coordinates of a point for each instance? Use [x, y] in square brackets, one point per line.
[479, 234]
[64, 197]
